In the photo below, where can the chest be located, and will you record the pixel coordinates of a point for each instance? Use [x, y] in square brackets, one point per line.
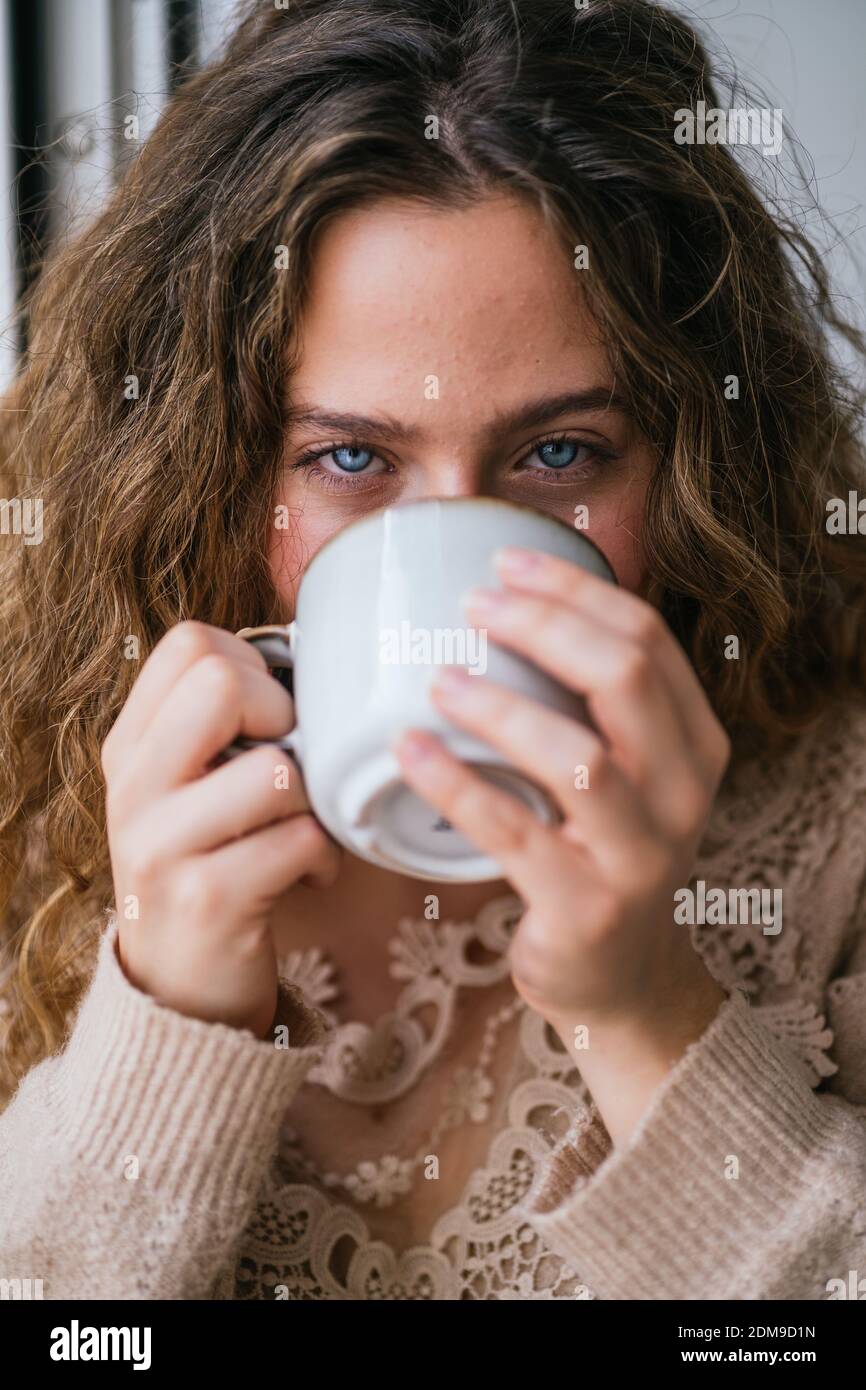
[405, 1160]
[458, 1230]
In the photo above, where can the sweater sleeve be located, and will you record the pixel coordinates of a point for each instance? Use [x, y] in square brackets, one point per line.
[130, 1161]
[740, 1182]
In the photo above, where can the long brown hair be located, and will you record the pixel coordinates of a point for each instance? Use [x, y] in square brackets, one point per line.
[157, 501]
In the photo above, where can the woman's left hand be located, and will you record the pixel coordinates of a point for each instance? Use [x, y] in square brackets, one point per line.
[597, 952]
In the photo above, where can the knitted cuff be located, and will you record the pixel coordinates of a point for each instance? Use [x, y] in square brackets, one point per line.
[732, 1143]
[189, 1107]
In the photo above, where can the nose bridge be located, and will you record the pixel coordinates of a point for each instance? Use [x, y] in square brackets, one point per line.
[454, 483]
[452, 470]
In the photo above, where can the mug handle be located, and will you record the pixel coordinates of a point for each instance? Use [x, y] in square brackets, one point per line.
[276, 645]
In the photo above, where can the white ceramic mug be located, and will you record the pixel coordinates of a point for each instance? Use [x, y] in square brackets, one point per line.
[378, 609]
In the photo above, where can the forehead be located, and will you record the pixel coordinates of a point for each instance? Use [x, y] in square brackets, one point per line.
[484, 297]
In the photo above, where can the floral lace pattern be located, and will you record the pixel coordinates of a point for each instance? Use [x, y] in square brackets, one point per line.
[775, 828]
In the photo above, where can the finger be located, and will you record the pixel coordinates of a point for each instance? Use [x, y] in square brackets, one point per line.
[173, 654]
[628, 700]
[604, 811]
[532, 571]
[214, 702]
[261, 866]
[531, 855]
[250, 792]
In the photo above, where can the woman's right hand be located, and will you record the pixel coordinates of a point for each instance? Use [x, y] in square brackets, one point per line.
[200, 853]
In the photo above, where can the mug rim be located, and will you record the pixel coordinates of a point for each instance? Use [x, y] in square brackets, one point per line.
[456, 501]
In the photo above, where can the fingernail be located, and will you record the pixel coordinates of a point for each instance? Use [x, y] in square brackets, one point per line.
[451, 680]
[414, 746]
[485, 600]
[517, 560]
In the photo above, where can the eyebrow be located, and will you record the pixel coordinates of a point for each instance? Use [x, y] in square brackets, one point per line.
[536, 412]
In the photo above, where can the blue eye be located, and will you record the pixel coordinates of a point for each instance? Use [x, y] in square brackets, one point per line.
[336, 466]
[558, 453]
[356, 463]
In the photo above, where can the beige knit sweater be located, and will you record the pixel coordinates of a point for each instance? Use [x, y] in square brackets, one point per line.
[145, 1159]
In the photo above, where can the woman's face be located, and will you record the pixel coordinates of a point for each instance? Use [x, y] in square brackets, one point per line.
[448, 354]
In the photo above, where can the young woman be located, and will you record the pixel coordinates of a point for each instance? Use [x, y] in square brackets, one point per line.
[568, 1084]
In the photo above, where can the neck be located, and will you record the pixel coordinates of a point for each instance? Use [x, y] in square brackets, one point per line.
[371, 901]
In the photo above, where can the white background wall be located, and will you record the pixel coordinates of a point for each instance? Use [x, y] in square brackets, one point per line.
[809, 57]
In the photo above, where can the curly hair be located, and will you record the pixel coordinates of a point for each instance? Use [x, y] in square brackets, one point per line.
[158, 502]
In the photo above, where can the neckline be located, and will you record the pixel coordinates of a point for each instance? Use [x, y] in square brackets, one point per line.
[373, 1063]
